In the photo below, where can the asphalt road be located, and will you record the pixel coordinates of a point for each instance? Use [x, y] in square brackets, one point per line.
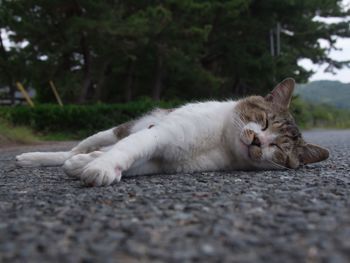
[280, 216]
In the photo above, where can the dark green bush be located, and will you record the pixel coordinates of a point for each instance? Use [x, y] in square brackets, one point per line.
[78, 120]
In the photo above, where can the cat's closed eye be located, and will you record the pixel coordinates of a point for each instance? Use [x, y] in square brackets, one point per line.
[262, 119]
[279, 156]
[265, 123]
[277, 124]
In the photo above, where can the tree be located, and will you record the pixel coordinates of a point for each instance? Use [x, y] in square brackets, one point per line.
[240, 49]
[120, 50]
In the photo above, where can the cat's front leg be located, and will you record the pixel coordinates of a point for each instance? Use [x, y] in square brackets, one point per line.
[108, 167]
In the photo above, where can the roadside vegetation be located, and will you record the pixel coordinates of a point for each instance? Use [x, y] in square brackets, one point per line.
[10, 134]
[52, 122]
[309, 115]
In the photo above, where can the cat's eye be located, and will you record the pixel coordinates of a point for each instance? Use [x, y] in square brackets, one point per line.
[266, 123]
[275, 145]
[286, 141]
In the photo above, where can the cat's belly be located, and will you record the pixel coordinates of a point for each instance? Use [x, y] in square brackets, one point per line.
[214, 160]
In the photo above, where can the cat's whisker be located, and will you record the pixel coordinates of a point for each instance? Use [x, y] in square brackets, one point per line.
[243, 119]
[241, 122]
[276, 165]
[238, 124]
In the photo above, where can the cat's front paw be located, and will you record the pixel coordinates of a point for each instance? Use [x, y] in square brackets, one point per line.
[100, 172]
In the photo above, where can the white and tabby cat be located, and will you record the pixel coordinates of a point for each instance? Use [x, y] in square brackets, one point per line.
[251, 133]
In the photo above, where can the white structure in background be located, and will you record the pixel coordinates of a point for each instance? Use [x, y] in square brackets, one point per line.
[19, 98]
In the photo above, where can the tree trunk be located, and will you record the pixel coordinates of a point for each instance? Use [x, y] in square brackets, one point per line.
[86, 69]
[158, 83]
[235, 86]
[106, 67]
[10, 81]
[129, 81]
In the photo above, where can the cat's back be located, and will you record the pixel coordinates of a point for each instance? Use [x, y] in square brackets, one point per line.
[190, 120]
[206, 107]
[202, 114]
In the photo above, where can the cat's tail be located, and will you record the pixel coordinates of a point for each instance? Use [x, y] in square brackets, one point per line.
[36, 159]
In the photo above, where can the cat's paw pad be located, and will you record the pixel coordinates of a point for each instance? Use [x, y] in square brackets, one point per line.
[27, 160]
[100, 172]
[76, 164]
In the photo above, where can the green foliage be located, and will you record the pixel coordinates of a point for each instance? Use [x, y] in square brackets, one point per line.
[319, 115]
[78, 121]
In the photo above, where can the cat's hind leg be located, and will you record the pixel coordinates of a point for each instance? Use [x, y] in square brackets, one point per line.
[36, 159]
[92, 143]
[102, 139]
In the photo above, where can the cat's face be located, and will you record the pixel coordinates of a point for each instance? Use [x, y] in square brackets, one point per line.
[268, 134]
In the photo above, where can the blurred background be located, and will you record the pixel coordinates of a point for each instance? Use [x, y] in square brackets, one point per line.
[70, 68]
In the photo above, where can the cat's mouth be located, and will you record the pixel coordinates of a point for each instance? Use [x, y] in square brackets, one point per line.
[250, 143]
[251, 151]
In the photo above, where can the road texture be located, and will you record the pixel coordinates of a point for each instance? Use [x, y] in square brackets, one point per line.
[270, 216]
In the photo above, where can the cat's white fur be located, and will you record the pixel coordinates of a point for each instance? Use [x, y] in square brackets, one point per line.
[194, 137]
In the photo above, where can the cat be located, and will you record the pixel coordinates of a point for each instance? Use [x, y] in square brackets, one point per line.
[252, 133]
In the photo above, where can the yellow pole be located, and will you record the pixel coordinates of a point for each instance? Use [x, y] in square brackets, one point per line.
[54, 90]
[25, 94]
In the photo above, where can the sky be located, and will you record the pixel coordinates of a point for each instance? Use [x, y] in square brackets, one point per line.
[342, 53]
[342, 75]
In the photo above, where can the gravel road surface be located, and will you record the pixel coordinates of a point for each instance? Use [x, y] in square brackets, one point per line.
[271, 216]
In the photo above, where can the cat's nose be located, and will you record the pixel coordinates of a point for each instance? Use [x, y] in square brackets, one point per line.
[256, 141]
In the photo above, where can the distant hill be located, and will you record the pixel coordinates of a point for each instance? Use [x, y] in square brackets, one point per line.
[334, 93]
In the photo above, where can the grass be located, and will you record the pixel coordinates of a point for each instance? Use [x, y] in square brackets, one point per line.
[10, 134]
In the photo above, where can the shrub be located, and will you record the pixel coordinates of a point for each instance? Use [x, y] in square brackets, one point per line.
[78, 120]
[308, 115]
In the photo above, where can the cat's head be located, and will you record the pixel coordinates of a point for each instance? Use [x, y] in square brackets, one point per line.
[268, 134]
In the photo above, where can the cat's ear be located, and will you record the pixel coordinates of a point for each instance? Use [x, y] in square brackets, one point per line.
[281, 95]
[312, 153]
